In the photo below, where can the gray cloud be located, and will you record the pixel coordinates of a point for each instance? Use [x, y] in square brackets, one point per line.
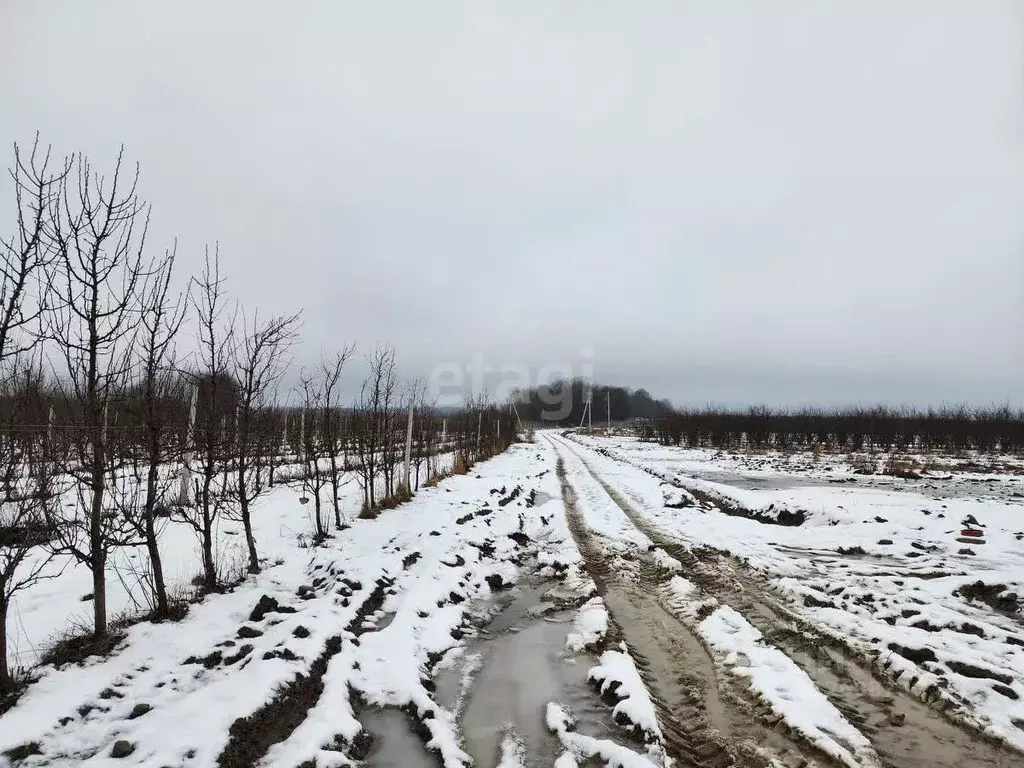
[730, 201]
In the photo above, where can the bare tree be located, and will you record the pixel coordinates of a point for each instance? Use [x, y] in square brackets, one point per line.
[25, 262]
[158, 389]
[412, 400]
[98, 230]
[216, 397]
[333, 436]
[260, 359]
[24, 533]
[373, 428]
[315, 477]
[425, 432]
[26, 257]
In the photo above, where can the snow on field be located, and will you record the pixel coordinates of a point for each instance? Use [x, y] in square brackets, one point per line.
[280, 525]
[879, 565]
[172, 691]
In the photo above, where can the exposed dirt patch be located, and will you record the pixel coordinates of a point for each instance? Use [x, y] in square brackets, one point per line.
[995, 596]
[972, 670]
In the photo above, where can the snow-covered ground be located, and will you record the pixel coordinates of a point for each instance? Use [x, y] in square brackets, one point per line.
[276, 671]
[479, 611]
[38, 617]
[879, 560]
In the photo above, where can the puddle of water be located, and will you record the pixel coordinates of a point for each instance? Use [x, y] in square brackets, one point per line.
[514, 669]
[394, 743]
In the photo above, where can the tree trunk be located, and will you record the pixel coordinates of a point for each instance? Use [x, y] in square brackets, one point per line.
[250, 541]
[209, 566]
[99, 594]
[243, 504]
[97, 557]
[160, 590]
[6, 683]
[334, 490]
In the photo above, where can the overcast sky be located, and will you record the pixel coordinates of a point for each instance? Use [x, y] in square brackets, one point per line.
[784, 202]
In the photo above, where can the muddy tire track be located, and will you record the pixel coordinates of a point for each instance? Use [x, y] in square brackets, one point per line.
[700, 728]
[904, 730]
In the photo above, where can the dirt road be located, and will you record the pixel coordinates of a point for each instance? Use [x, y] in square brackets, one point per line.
[902, 730]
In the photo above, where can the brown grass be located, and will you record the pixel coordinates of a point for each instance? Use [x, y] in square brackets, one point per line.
[905, 467]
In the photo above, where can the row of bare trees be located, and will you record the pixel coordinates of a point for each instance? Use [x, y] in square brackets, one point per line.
[952, 428]
[116, 421]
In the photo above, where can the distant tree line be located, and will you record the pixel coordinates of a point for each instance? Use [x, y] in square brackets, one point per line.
[952, 428]
[564, 403]
[879, 428]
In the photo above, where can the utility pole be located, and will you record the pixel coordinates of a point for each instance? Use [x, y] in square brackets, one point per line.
[408, 447]
[608, 400]
[186, 469]
[516, 411]
[588, 410]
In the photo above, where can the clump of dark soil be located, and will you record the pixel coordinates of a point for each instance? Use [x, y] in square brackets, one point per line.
[994, 596]
[511, 497]
[972, 671]
[916, 655]
[812, 602]
[520, 538]
[121, 749]
[267, 605]
[209, 662]
[23, 752]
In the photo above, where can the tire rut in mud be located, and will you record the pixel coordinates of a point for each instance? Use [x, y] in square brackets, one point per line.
[905, 731]
[675, 667]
